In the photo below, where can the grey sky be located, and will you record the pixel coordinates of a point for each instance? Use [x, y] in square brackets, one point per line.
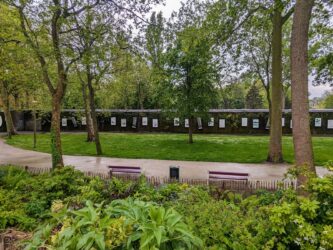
[174, 5]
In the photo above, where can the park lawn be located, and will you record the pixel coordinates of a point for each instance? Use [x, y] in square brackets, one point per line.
[216, 148]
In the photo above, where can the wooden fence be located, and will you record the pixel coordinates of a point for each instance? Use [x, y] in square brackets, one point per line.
[236, 185]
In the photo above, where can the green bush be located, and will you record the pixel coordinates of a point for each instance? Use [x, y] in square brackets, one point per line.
[125, 224]
[134, 213]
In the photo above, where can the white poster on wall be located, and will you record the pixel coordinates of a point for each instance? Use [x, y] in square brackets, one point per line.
[255, 123]
[267, 124]
[155, 123]
[244, 122]
[134, 121]
[83, 120]
[64, 122]
[211, 122]
[187, 123]
[221, 123]
[113, 121]
[317, 122]
[176, 122]
[330, 124]
[144, 121]
[199, 123]
[0, 121]
[283, 121]
[74, 122]
[123, 122]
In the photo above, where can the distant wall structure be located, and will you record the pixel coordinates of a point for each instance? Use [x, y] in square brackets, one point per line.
[218, 121]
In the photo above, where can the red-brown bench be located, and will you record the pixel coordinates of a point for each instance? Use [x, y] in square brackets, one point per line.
[124, 170]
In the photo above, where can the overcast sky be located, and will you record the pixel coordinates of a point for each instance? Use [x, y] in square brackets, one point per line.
[174, 5]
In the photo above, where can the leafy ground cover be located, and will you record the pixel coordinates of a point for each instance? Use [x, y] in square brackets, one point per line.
[66, 210]
[218, 148]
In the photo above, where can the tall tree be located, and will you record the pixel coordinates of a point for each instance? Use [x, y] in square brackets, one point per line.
[18, 76]
[45, 26]
[299, 88]
[275, 141]
[9, 38]
[87, 109]
[253, 98]
[92, 41]
[192, 75]
[155, 48]
[265, 58]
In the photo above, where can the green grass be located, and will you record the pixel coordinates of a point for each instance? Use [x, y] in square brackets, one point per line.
[218, 148]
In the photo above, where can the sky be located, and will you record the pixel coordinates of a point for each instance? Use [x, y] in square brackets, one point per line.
[174, 5]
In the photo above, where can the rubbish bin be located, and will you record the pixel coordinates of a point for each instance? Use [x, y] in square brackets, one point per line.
[174, 172]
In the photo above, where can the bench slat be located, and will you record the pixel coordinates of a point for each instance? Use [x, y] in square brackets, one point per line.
[228, 173]
[123, 167]
[126, 171]
[129, 170]
[227, 178]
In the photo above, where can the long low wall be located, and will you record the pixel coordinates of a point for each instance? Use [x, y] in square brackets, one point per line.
[224, 121]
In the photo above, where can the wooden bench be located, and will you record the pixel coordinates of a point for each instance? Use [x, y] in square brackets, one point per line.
[229, 180]
[124, 170]
[218, 175]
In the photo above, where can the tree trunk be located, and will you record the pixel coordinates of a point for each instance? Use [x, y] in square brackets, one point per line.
[56, 149]
[93, 112]
[6, 108]
[269, 101]
[89, 123]
[299, 89]
[27, 100]
[16, 101]
[275, 142]
[190, 130]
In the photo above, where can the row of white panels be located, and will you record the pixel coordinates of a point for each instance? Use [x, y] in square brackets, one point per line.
[177, 123]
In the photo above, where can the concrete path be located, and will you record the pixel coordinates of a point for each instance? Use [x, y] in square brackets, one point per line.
[160, 168]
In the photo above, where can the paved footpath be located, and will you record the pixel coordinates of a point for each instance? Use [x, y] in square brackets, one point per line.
[188, 169]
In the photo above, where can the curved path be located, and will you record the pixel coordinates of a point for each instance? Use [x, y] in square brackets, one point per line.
[188, 169]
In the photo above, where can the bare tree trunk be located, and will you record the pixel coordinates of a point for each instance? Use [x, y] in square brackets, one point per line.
[6, 108]
[190, 130]
[93, 112]
[299, 89]
[89, 123]
[57, 160]
[275, 142]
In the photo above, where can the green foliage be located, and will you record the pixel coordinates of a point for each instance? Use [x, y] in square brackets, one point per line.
[190, 89]
[222, 220]
[26, 199]
[233, 96]
[87, 228]
[126, 224]
[155, 227]
[253, 98]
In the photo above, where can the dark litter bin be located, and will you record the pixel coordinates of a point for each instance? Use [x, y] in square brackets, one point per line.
[174, 173]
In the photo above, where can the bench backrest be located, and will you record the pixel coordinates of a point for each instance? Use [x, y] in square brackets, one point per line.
[228, 175]
[125, 169]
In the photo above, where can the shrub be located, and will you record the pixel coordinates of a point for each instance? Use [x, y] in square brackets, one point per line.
[123, 223]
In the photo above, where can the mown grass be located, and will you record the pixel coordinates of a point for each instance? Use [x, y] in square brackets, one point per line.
[217, 148]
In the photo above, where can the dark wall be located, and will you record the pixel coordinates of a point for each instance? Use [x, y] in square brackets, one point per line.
[2, 122]
[233, 121]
